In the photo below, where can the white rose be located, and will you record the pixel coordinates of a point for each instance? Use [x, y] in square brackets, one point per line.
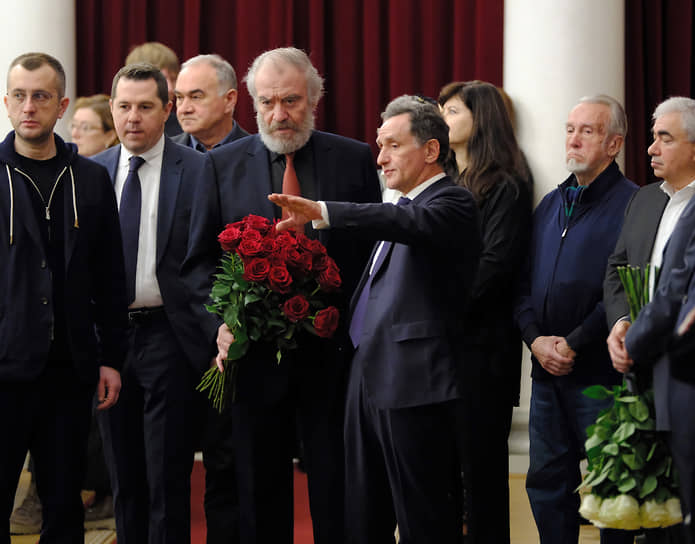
[621, 512]
[653, 514]
[673, 507]
[590, 506]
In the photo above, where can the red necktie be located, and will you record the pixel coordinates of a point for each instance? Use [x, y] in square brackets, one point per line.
[290, 183]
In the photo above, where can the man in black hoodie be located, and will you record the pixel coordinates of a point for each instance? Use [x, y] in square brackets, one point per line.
[62, 299]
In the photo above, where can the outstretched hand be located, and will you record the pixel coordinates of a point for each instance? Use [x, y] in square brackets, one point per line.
[299, 210]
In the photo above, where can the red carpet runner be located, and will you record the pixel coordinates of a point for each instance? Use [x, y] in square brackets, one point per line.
[302, 519]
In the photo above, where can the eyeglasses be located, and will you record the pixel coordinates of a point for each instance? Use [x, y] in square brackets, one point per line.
[40, 98]
[84, 127]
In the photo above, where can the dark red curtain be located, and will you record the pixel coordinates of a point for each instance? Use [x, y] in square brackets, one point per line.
[659, 45]
[368, 51]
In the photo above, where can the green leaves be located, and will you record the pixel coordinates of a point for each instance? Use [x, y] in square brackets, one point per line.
[625, 454]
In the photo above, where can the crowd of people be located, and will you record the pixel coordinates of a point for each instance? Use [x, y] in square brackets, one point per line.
[404, 415]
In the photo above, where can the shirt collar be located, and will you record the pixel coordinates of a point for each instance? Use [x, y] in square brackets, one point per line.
[667, 188]
[150, 155]
[414, 193]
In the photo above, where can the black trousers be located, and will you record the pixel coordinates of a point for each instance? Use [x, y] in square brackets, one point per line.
[149, 438]
[50, 418]
[401, 466]
[248, 448]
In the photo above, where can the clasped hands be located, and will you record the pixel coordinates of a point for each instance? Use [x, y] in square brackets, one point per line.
[554, 354]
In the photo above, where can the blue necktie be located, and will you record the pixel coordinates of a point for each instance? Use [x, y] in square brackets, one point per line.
[357, 321]
[129, 212]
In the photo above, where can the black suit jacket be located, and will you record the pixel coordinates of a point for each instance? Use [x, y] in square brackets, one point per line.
[235, 182]
[411, 349]
[181, 167]
[236, 133]
[634, 246]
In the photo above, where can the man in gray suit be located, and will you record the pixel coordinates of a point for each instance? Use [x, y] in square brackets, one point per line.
[645, 342]
[206, 95]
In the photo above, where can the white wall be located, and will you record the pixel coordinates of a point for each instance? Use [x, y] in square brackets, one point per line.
[46, 26]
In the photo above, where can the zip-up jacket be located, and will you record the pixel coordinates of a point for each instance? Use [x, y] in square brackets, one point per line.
[562, 285]
[79, 291]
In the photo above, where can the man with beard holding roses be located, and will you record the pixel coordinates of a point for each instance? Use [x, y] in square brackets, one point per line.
[248, 448]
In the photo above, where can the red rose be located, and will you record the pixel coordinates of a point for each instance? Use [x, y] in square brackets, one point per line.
[285, 240]
[229, 238]
[296, 308]
[297, 261]
[249, 248]
[316, 247]
[329, 278]
[252, 235]
[256, 222]
[268, 245]
[326, 321]
[256, 269]
[279, 279]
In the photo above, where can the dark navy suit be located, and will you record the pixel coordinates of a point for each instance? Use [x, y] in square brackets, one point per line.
[649, 338]
[407, 375]
[149, 435]
[309, 381]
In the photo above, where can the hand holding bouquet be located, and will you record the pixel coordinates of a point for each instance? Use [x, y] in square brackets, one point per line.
[631, 474]
[268, 289]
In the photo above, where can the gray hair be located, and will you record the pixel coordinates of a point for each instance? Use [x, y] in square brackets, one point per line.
[617, 123]
[294, 57]
[683, 105]
[426, 123]
[226, 76]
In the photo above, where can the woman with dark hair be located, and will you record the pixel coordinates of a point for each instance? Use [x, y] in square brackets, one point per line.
[488, 162]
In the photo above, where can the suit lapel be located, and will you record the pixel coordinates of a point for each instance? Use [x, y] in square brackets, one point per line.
[324, 168]
[169, 182]
[259, 172]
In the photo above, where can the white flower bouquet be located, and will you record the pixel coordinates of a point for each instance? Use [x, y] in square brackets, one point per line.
[631, 480]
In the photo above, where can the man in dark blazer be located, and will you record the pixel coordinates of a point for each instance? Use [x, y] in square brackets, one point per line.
[62, 302]
[149, 440]
[407, 374]
[253, 451]
[206, 95]
[647, 339]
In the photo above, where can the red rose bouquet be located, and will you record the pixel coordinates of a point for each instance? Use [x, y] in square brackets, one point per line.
[267, 290]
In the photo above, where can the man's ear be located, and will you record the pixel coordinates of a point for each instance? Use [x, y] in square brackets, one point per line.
[431, 151]
[231, 96]
[614, 145]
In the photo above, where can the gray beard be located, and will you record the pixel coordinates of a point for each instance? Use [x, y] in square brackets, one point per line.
[576, 167]
[283, 146]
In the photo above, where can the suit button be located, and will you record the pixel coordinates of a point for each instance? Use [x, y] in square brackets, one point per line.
[685, 300]
[43, 263]
[44, 300]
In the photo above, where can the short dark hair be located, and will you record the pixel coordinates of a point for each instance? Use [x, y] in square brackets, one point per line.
[34, 61]
[142, 71]
[426, 123]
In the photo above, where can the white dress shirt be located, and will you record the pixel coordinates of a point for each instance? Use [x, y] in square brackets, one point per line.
[677, 202]
[147, 292]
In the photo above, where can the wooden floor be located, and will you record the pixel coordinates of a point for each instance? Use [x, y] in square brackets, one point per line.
[523, 528]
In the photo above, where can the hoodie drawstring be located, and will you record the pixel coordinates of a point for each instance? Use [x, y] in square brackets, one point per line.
[9, 182]
[76, 224]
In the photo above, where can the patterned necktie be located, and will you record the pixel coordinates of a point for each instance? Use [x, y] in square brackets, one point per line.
[129, 212]
[290, 183]
[357, 321]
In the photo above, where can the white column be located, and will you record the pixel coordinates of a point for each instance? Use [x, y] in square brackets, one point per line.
[555, 52]
[38, 26]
